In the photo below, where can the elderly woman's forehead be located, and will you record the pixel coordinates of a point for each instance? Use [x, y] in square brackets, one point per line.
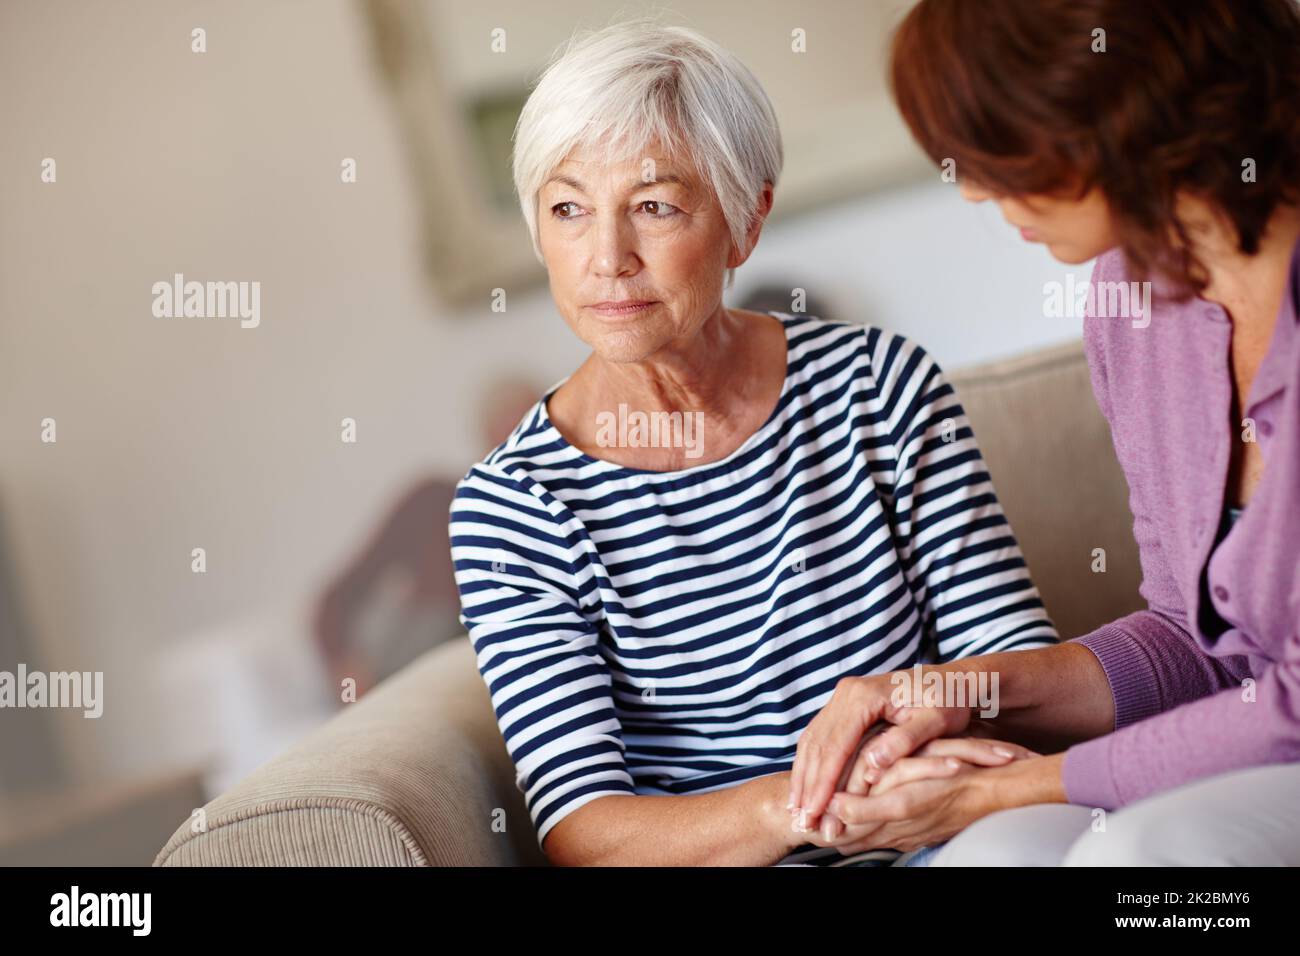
[592, 169]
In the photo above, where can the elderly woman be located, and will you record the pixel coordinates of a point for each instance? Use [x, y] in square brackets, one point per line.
[658, 611]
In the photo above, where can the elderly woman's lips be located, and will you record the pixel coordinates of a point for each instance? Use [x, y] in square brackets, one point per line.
[626, 307]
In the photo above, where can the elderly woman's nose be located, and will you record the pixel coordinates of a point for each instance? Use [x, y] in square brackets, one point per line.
[615, 246]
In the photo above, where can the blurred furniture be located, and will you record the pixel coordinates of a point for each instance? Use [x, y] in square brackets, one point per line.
[416, 773]
[239, 691]
[245, 689]
[397, 597]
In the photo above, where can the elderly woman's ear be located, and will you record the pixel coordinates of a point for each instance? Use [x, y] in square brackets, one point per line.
[764, 207]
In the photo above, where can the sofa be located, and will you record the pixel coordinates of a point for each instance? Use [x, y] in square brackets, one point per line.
[415, 772]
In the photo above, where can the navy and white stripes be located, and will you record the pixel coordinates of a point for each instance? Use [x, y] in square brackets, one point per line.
[671, 633]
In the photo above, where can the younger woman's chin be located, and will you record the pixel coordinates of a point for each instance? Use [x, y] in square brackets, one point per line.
[1071, 255]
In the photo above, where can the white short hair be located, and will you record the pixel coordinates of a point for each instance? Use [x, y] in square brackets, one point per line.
[639, 81]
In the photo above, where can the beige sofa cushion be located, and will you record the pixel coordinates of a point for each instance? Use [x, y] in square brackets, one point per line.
[413, 774]
[1054, 468]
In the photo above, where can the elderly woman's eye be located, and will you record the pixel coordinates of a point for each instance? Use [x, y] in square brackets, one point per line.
[561, 210]
[657, 209]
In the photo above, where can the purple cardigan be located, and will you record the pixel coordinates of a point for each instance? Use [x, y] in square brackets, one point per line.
[1182, 708]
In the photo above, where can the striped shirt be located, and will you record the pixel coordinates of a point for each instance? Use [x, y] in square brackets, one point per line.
[673, 632]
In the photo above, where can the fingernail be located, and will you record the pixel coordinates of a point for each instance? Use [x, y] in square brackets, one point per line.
[953, 763]
[1003, 752]
[873, 757]
[828, 829]
[789, 802]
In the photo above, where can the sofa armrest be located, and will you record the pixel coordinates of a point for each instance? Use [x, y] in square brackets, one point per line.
[415, 773]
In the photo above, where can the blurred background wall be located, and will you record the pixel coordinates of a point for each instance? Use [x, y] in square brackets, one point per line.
[175, 434]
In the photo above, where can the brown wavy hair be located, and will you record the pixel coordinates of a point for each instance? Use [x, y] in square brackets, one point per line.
[1185, 92]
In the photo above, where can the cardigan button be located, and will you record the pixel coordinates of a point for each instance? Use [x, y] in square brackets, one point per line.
[1221, 592]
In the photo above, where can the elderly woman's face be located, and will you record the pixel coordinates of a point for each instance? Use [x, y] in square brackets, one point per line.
[648, 234]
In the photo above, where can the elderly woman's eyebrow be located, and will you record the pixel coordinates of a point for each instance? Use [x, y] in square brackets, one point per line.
[659, 181]
[566, 181]
[638, 183]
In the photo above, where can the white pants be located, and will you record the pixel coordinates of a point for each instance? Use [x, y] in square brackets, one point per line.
[1244, 818]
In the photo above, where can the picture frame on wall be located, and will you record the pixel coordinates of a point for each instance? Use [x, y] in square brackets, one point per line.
[458, 74]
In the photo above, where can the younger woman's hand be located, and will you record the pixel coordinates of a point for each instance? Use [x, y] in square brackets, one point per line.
[915, 809]
[939, 759]
[943, 757]
[925, 803]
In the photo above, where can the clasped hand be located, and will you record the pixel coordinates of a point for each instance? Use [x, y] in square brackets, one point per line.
[872, 772]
